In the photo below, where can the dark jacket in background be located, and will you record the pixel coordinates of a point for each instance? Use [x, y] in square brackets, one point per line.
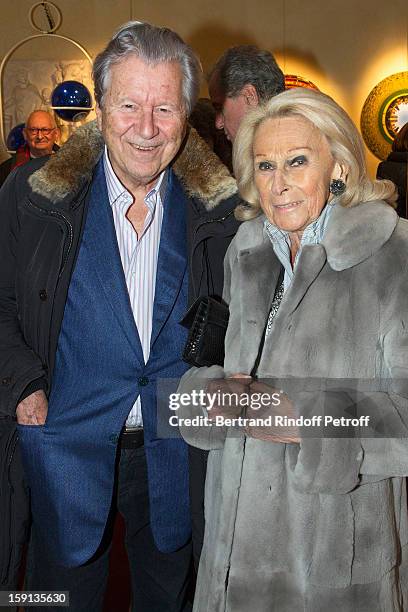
[395, 168]
[7, 166]
[14, 512]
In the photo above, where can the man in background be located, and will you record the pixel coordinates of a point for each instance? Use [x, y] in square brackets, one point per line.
[41, 134]
[243, 77]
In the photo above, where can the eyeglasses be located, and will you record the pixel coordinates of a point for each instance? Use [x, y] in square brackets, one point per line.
[43, 131]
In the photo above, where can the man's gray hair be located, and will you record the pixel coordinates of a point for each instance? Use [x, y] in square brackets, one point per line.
[153, 45]
[247, 64]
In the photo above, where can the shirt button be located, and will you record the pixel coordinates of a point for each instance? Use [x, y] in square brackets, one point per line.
[143, 381]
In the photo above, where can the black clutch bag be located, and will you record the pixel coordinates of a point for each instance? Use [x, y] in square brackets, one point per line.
[207, 321]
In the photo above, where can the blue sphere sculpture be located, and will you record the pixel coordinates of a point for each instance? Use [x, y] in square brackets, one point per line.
[15, 138]
[71, 100]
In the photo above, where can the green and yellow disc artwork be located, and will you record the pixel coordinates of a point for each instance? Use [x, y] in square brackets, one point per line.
[384, 113]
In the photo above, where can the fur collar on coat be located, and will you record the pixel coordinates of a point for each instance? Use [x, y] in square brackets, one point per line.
[353, 234]
[200, 171]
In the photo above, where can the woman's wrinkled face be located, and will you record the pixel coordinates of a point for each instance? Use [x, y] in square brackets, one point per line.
[293, 169]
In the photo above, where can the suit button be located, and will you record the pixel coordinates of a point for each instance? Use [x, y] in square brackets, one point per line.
[113, 438]
[143, 381]
[6, 381]
[43, 295]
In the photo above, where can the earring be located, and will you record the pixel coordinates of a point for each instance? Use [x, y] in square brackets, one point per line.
[337, 187]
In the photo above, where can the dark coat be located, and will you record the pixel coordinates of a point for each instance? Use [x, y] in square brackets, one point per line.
[5, 168]
[41, 220]
[37, 265]
[14, 506]
[395, 169]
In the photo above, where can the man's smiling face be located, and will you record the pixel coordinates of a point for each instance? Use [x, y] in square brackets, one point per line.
[143, 119]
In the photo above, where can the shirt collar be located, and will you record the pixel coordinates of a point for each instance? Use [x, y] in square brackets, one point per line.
[280, 240]
[313, 233]
[116, 189]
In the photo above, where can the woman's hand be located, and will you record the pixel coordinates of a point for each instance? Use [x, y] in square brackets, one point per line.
[279, 405]
[226, 394]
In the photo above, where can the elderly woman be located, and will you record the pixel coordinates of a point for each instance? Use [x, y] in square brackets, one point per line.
[317, 285]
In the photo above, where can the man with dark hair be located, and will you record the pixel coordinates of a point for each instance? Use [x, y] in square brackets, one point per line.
[243, 77]
[102, 247]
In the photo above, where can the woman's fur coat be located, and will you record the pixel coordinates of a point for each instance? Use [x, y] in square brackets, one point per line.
[321, 525]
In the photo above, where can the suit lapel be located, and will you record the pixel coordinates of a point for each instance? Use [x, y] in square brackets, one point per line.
[105, 257]
[172, 260]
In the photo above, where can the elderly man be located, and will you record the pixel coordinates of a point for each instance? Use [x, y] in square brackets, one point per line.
[243, 77]
[101, 247]
[41, 134]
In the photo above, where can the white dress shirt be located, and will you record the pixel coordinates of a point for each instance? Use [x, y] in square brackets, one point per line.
[139, 258]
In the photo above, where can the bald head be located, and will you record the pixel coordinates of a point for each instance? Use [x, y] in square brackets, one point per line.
[40, 133]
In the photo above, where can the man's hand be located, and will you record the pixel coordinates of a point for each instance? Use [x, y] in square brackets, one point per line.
[33, 409]
[284, 435]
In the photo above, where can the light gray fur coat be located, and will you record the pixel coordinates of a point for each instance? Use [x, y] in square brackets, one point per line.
[322, 525]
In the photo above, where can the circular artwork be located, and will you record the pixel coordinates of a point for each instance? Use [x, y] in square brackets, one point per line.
[71, 101]
[384, 113]
[293, 80]
[45, 17]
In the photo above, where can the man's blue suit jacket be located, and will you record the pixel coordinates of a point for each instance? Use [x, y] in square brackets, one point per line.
[99, 372]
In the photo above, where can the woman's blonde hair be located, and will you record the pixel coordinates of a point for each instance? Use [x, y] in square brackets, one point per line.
[330, 119]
